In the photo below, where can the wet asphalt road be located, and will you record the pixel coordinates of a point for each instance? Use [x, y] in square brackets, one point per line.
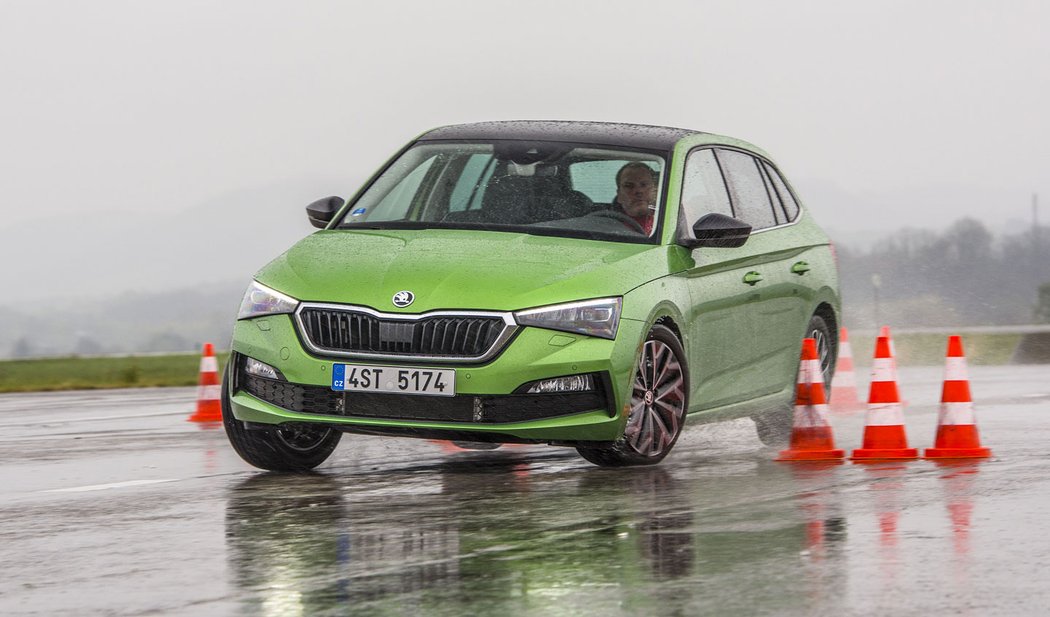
[113, 504]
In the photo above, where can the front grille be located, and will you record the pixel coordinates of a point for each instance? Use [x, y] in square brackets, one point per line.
[459, 408]
[348, 331]
[470, 408]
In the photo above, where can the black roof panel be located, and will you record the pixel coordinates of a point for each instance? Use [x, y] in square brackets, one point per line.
[598, 133]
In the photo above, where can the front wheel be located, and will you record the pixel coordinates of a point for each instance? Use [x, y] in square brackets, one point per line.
[658, 405]
[283, 447]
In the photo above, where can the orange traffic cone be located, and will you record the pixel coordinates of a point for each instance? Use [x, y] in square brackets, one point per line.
[811, 438]
[956, 424]
[885, 331]
[844, 397]
[884, 436]
[208, 407]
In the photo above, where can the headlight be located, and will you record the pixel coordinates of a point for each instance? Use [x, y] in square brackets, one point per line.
[591, 317]
[261, 300]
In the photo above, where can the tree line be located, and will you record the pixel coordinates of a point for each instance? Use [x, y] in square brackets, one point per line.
[962, 276]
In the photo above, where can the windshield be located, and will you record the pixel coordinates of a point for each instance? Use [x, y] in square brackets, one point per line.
[548, 188]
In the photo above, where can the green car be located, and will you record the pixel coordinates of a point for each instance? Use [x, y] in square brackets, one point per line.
[578, 284]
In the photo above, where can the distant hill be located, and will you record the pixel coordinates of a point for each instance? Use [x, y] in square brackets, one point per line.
[861, 219]
[132, 322]
[62, 258]
[137, 281]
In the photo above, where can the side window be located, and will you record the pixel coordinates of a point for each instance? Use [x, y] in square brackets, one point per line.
[703, 190]
[778, 207]
[748, 189]
[787, 199]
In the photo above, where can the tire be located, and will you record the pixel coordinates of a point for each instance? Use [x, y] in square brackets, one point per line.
[285, 447]
[774, 426]
[827, 348]
[659, 400]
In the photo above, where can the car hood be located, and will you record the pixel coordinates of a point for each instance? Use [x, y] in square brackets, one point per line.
[459, 269]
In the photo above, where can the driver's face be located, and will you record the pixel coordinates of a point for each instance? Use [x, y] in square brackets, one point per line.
[636, 192]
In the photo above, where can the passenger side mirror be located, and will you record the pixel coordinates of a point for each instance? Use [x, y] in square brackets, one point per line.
[322, 211]
[717, 230]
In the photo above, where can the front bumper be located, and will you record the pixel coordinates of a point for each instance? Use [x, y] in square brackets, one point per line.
[485, 408]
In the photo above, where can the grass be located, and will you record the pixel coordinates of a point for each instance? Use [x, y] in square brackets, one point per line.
[929, 349]
[76, 373]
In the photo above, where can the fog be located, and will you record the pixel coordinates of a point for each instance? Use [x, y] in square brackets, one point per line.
[151, 146]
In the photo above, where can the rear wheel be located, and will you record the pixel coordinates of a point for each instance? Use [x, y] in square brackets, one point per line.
[283, 447]
[827, 348]
[774, 426]
[658, 405]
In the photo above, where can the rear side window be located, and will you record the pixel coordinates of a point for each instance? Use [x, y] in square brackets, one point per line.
[747, 189]
[778, 208]
[787, 199]
[703, 190]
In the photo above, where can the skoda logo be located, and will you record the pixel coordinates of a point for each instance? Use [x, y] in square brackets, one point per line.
[403, 298]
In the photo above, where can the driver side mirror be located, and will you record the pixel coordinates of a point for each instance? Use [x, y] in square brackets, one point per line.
[717, 230]
[322, 211]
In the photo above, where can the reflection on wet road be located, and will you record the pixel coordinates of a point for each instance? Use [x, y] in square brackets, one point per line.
[113, 504]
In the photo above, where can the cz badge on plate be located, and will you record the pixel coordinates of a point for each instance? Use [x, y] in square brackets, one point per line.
[393, 379]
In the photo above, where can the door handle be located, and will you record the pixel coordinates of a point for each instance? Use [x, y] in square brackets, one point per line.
[752, 277]
[800, 268]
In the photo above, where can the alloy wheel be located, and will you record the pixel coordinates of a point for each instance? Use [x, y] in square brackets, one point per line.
[823, 352]
[657, 401]
[302, 438]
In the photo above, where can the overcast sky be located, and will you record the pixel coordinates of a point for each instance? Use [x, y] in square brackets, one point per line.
[880, 112]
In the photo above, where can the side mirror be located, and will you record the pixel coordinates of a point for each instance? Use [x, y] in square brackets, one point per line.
[322, 211]
[717, 230]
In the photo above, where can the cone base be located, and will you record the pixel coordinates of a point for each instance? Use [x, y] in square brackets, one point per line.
[957, 453]
[811, 455]
[874, 454]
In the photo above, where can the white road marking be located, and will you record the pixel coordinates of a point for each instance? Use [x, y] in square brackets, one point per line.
[104, 487]
[97, 418]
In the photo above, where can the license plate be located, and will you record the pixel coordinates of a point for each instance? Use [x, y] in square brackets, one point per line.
[393, 379]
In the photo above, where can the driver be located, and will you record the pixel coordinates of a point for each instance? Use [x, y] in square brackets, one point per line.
[636, 193]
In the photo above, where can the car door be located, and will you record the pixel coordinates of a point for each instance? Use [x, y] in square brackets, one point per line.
[775, 309]
[803, 262]
[723, 306]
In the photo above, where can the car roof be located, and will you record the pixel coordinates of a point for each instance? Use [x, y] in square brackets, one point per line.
[597, 133]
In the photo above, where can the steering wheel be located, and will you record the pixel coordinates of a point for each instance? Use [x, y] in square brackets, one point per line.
[620, 216]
